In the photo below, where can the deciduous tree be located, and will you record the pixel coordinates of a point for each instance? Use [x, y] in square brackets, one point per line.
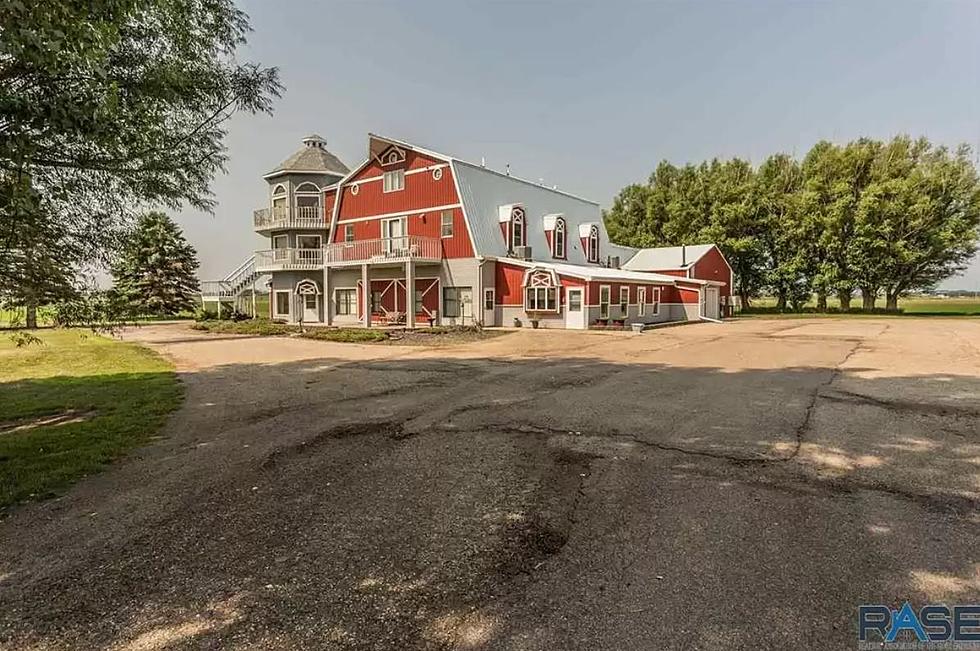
[107, 107]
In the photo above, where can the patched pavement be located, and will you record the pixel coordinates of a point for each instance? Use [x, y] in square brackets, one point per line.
[736, 486]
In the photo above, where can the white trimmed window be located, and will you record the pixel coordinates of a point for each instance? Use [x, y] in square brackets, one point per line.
[279, 198]
[624, 299]
[349, 232]
[641, 300]
[604, 292]
[516, 228]
[558, 239]
[281, 305]
[593, 244]
[655, 303]
[541, 299]
[346, 300]
[394, 180]
[446, 223]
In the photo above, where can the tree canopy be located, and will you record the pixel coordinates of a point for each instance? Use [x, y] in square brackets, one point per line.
[882, 217]
[108, 107]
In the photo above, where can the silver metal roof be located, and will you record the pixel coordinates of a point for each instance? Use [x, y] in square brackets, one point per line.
[667, 257]
[482, 191]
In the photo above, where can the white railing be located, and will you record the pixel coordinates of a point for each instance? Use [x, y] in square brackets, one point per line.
[284, 217]
[214, 288]
[289, 259]
[391, 249]
[242, 272]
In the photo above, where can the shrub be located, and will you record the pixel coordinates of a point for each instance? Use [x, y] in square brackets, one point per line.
[346, 335]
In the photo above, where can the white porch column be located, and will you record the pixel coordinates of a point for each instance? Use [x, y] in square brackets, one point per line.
[365, 296]
[410, 293]
[327, 297]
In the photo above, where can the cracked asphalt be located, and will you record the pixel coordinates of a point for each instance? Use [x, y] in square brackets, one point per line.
[735, 486]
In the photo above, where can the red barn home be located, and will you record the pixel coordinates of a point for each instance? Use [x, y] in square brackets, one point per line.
[411, 236]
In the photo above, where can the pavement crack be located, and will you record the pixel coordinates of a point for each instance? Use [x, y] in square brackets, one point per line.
[804, 427]
[851, 397]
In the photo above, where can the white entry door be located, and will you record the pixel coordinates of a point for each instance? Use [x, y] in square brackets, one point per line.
[465, 295]
[574, 308]
[711, 302]
[311, 307]
[489, 308]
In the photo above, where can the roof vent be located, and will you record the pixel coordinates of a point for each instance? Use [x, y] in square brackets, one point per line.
[315, 141]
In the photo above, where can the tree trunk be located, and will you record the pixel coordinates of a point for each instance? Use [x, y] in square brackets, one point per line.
[821, 300]
[844, 296]
[891, 300]
[744, 296]
[32, 316]
[781, 302]
[869, 297]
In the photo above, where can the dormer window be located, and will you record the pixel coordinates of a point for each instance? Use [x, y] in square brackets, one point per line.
[558, 239]
[517, 232]
[592, 245]
[394, 180]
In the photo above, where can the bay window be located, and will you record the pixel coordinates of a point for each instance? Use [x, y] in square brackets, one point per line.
[541, 299]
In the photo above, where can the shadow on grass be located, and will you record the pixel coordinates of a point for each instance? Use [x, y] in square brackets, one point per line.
[122, 411]
[529, 503]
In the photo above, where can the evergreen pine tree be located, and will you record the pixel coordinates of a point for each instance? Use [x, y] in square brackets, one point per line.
[156, 272]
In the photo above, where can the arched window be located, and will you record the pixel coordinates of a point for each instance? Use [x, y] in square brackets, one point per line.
[593, 244]
[279, 198]
[308, 202]
[558, 239]
[517, 228]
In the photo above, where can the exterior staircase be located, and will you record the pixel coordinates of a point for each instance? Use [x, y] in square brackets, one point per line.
[234, 287]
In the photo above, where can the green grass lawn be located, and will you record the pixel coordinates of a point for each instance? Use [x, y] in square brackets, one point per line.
[111, 396]
[915, 305]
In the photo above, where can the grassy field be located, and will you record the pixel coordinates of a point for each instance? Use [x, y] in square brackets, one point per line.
[74, 404]
[913, 305]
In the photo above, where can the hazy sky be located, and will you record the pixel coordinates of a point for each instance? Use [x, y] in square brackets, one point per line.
[591, 95]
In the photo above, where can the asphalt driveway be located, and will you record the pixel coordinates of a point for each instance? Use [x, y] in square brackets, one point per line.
[736, 486]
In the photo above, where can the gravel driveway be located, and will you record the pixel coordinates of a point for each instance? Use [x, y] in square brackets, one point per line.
[736, 486]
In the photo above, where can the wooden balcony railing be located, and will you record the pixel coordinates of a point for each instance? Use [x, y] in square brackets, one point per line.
[387, 249]
[284, 259]
[285, 217]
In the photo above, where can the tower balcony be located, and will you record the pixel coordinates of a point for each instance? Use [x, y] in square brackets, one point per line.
[285, 217]
[288, 260]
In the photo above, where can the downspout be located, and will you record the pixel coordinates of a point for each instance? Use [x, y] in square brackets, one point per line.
[478, 299]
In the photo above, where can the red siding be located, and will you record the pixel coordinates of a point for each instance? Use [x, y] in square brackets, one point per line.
[508, 283]
[687, 294]
[366, 230]
[421, 193]
[712, 266]
[680, 273]
[329, 197]
[633, 290]
[428, 224]
[421, 190]
[413, 161]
